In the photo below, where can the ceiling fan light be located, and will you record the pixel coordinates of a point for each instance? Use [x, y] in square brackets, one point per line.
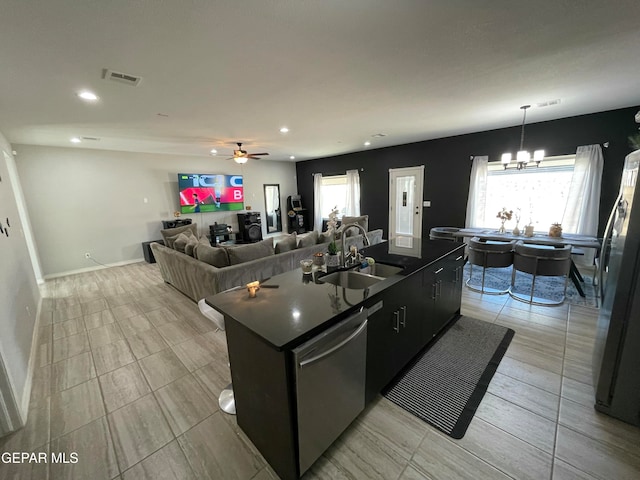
[240, 160]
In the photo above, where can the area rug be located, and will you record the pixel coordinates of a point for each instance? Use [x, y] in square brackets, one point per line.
[445, 385]
[546, 287]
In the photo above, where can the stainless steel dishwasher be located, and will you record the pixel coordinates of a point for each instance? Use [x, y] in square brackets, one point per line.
[330, 385]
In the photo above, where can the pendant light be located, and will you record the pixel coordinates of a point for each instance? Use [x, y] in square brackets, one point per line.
[523, 157]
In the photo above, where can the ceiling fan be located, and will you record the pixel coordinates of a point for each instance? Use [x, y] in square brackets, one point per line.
[241, 156]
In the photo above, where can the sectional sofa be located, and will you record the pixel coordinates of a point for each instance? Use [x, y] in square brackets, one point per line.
[198, 270]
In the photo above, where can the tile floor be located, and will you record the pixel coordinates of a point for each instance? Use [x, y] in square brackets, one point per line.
[128, 373]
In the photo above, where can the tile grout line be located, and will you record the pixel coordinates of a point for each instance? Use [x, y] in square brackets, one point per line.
[564, 356]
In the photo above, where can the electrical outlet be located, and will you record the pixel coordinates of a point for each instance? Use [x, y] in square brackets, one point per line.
[87, 255]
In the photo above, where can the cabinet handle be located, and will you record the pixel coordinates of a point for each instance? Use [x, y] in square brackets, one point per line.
[438, 270]
[396, 321]
[434, 294]
[457, 274]
[459, 258]
[438, 288]
[403, 322]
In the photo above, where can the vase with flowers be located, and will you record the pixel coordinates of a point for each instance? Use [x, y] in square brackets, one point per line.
[516, 229]
[504, 215]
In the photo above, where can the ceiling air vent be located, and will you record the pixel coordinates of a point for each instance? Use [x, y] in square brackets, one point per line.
[95, 139]
[548, 103]
[125, 78]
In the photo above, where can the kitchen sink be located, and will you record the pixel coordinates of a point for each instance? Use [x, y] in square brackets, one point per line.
[384, 270]
[350, 279]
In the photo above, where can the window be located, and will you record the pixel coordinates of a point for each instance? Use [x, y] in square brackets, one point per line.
[334, 193]
[537, 195]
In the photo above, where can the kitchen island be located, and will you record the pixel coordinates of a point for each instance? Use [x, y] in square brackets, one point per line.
[293, 413]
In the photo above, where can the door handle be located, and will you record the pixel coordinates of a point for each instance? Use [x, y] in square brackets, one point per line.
[396, 321]
[403, 322]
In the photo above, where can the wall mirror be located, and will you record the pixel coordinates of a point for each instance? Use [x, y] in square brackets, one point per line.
[272, 207]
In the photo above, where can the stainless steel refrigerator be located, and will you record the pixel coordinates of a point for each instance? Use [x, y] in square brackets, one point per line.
[617, 350]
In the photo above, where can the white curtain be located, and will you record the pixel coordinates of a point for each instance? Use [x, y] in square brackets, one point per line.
[477, 192]
[583, 200]
[352, 205]
[317, 202]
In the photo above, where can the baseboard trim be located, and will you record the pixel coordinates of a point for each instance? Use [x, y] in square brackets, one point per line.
[93, 269]
[11, 418]
[26, 393]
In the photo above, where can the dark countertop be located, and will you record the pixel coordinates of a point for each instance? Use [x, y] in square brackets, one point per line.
[301, 306]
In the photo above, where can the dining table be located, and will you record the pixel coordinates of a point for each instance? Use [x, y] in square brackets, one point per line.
[578, 242]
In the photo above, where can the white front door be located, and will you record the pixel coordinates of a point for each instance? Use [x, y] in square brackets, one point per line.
[405, 202]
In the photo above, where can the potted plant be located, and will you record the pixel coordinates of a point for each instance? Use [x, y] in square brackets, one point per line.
[333, 259]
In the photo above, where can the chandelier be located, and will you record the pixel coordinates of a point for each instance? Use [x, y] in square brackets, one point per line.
[523, 157]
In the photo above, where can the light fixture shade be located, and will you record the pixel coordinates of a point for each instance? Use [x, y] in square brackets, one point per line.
[240, 160]
[506, 158]
[523, 157]
[538, 156]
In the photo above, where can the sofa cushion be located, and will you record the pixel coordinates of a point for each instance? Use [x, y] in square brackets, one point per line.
[287, 243]
[253, 251]
[174, 232]
[202, 241]
[181, 241]
[325, 237]
[308, 239]
[362, 220]
[216, 256]
[190, 247]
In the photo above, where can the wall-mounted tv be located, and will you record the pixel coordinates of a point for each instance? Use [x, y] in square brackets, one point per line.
[201, 192]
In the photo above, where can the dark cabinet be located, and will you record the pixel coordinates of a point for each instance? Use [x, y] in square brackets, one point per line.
[394, 333]
[442, 282]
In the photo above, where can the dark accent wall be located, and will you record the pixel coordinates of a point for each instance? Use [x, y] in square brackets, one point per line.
[448, 165]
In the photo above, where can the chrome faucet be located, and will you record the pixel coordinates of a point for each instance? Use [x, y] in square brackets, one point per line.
[365, 239]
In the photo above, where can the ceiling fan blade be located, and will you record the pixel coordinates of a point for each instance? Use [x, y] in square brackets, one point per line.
[252, 157]
[259, 153]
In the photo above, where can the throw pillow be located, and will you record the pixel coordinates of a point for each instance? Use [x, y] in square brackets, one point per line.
[190, 247]
[216, 256]
[181, 241]
[202, 241]
[325, 237]
[309, 239]
[252, 251]
[174, 232]
[287, 244]
[362, 220]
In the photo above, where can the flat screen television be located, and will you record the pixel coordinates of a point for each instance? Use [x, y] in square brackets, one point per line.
[200, 192]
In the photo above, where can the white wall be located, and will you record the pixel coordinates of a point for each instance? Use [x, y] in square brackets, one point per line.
[82, 200]
[19, 294]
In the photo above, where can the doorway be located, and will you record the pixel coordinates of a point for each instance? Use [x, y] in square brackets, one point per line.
[405, 202]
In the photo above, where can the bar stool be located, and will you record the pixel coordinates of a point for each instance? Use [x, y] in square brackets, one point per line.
[489, 254]
[443, 233]
[540, 260]
[226, 400]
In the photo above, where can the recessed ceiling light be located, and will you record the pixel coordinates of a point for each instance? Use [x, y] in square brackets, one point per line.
[75, 140]
[284, 130]
[292, 157]
[214, 151]
[366, 144]
[87, 95]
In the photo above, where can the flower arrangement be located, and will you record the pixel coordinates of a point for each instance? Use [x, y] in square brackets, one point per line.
[504, 215]
[331, 230]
